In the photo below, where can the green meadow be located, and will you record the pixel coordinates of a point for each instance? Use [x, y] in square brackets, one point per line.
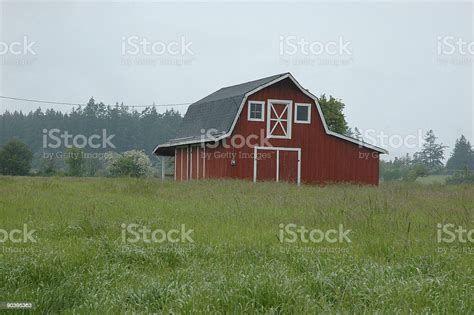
[84, 260]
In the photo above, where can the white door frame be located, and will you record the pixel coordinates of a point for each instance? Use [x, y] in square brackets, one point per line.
[277, 149]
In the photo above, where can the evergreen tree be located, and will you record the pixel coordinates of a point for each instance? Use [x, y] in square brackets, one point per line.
[432, 153]
[462, 157]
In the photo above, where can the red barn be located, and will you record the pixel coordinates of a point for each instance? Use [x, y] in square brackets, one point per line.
[269, 129]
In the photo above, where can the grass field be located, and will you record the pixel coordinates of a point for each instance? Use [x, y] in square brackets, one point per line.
[236, 262]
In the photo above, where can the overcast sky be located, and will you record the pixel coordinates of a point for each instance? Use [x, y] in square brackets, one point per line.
[395, 66]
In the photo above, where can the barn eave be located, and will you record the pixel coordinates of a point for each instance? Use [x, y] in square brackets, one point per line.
[164, 149]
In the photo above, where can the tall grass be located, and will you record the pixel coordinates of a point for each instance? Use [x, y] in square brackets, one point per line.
[79, 263]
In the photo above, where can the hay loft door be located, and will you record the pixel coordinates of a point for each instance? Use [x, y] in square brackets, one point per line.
[279, 119]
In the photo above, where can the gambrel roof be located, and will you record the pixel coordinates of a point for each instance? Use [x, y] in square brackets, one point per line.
[219, 111]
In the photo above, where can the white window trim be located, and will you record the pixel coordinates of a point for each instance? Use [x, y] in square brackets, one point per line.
[289, 121]
[263, 111]
[309, 113]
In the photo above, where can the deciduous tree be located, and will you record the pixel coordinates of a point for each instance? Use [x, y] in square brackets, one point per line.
[15, 158]
[333, 113]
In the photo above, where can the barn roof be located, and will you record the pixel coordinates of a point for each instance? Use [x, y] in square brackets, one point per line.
[218, 112]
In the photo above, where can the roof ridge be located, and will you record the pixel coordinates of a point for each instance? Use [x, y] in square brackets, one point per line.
[261, 79]
[213, 101]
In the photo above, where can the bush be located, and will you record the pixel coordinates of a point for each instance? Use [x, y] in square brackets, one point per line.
[131, 163]
[392, 175]
[465, 177]
[417, 170]
[75, 162]
[47, 167]
[15, 158]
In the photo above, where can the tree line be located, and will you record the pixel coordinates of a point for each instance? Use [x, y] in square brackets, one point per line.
[130, 129]
[430, 161]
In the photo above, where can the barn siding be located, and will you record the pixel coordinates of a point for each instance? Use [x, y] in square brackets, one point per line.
[182, 163]
[324, 158]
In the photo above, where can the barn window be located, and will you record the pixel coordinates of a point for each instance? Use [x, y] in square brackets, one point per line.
[256, 111]
[303, 113]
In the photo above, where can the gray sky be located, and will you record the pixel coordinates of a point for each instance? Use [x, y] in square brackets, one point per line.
[396, 65]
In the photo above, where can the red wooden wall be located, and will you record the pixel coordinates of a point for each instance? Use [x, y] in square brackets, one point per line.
[189, 163]
[324, 158]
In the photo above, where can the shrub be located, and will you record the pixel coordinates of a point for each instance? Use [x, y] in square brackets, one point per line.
[131, 163]
[47, 167]
[465, 177]
[417, 170]
[75, 162]
[15, 158]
